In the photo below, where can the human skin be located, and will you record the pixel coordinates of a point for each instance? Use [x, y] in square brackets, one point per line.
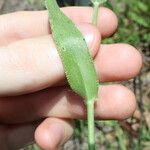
[35, 100]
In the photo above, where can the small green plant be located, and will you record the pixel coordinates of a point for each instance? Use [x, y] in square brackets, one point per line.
[75, 56]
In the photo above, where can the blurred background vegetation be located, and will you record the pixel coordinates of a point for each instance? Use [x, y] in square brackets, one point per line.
[134, 29]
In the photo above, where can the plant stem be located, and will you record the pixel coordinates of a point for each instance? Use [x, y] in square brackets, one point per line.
[90, 113]
[90, 103]
[95, 13]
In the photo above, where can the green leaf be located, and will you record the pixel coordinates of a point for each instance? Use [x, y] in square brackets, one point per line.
[74, 53]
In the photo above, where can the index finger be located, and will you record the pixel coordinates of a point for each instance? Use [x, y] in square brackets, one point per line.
[20, 25]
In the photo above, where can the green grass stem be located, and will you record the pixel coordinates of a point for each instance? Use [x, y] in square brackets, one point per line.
[95, 13]
[91, 136]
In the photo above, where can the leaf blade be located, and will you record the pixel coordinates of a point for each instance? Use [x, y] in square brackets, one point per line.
[74, 53]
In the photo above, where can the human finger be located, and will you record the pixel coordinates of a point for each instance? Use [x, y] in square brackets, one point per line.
[53, 133]
[21, 25]
[117, 62]
[26, 61]
[34, 64]
[113, 102]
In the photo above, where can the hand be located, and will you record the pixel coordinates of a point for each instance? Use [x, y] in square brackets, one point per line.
[35, 98]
